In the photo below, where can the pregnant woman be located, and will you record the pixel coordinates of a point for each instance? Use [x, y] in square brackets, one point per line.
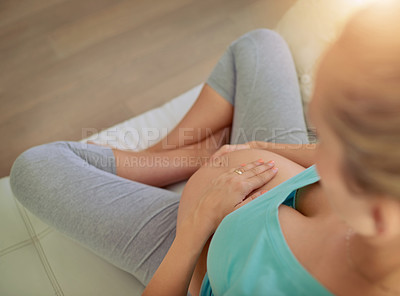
[256, 217]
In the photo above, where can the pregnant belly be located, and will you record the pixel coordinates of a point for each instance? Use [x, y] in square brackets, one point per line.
[204, 175]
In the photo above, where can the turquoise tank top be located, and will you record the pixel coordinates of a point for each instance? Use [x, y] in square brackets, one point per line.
[248, 254]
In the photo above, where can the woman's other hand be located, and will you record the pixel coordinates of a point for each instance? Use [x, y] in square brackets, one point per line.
[225, 194]
[226, 149]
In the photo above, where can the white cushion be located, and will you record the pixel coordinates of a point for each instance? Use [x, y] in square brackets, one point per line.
[148, 128]
[309, 27]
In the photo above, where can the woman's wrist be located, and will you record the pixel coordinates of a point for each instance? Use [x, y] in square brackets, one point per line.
[174, 274]
[195, 231]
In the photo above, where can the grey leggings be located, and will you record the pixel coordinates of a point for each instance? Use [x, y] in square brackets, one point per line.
[73, 186]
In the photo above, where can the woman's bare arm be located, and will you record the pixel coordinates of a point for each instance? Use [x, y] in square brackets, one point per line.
[209, 114]
[170, 165]
[303, 154]
[175, 271]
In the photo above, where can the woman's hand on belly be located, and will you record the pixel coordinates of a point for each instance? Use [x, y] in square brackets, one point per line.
[224, 194]
[203, 177]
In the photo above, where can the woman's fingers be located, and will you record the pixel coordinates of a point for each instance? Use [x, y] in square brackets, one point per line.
[263, 177]
[253, 175]
[257, 167]
[228, 148]
[254, 168]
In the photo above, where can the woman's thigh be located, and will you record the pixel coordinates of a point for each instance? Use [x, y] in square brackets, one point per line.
[73, 187]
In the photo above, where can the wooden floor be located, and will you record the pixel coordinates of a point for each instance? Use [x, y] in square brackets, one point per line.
[72, 64]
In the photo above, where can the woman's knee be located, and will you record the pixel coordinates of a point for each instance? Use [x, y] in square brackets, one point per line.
[28, 168]
[261, 38]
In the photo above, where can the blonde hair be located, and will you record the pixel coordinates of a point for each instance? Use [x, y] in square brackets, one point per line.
[365, 112]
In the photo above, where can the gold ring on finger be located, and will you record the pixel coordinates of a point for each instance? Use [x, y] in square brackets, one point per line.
[239, 171]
